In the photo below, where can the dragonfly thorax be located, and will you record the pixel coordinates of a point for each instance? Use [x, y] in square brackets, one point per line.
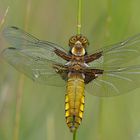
[78, 50]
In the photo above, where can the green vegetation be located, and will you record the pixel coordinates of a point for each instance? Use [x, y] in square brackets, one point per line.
[29, 111]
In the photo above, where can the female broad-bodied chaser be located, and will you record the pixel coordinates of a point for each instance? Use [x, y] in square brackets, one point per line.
[105, 72]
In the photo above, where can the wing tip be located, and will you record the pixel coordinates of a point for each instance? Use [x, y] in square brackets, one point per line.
[8, 28]
[14, 27]
[5, 52]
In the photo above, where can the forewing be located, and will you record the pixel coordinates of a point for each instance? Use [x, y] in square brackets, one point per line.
[118, 54]
[115, 82]
[33, 57]
[20, 39]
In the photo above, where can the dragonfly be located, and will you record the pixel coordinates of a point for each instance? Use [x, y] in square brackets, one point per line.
[104, 72]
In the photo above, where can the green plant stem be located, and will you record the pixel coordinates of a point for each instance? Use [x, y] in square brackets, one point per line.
[18, 108]
[21, 85]
[74, 135]
[3, 18]
[79, 16]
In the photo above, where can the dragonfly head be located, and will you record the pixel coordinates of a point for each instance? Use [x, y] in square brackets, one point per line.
[78, 44]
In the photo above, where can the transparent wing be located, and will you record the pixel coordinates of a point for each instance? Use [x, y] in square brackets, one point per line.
[115, 82]
[33, 57]
[38, 69]
[118, 54]
[20, 39]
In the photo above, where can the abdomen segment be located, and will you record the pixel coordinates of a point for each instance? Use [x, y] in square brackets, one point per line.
[74, 102]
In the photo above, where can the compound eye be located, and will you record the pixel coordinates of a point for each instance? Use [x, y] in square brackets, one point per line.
[73, 39]
[83, 40]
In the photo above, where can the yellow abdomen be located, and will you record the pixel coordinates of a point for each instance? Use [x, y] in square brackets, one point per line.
[74, 102]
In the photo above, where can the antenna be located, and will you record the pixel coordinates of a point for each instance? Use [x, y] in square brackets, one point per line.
[79, 16]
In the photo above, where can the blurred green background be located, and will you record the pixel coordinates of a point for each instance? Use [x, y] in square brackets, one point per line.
[29, 111]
